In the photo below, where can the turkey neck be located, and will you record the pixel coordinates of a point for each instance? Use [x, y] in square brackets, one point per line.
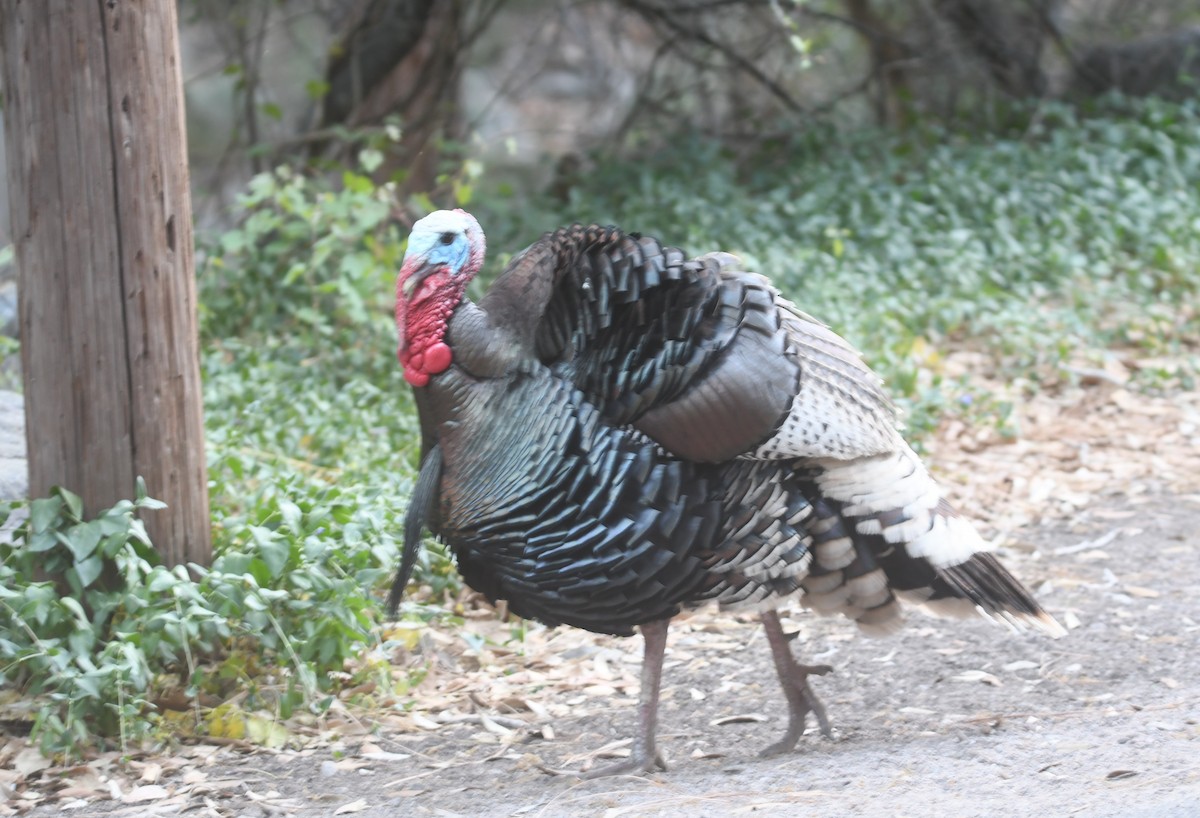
[424, 325]
[484, 348]
[482, 355]
[496, 337]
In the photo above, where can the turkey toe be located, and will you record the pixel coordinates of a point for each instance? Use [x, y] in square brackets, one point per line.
[636, 764]
[801, 701]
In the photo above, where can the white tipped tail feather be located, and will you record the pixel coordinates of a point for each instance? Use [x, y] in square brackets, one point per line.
[902, 528]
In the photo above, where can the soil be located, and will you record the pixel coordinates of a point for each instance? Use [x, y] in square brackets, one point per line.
[946, 717]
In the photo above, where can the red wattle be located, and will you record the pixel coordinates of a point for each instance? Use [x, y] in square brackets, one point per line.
[437, 358]
[421, 318]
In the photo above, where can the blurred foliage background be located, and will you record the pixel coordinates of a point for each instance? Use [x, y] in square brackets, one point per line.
[1017, 178]
[540, 87]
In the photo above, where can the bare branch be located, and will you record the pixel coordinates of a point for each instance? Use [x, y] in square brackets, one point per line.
[656, 14]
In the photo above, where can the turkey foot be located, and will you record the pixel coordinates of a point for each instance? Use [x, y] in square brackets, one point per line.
[793, 677]
[645, 756]
[639, 761]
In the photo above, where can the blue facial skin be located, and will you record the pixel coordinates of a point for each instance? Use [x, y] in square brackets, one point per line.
[429, 247]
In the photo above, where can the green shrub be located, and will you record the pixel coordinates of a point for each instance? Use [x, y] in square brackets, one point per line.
[90, 646]
[306, 261]
[283, 613]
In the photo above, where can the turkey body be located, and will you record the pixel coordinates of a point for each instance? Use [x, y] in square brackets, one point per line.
[570, 520]
[621, 432]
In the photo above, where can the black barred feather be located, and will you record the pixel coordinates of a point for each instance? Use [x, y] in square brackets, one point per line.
[420, 511]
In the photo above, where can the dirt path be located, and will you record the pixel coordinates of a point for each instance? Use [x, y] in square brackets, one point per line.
[944, 718]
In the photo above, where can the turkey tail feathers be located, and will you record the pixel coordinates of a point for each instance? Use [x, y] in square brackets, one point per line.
[994, 592]
[846, 576]
[419, 508]
[931, 556]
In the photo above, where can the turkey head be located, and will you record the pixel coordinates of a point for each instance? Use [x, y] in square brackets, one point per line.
[445, 251]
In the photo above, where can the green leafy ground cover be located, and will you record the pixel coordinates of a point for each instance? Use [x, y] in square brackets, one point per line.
[1070, 242]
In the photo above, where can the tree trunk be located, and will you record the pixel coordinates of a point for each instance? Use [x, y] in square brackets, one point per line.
[1008, 37]
[889, 64]
[102, 222]
[400, 57]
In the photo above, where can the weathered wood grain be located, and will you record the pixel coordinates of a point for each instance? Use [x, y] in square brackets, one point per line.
[101, 218]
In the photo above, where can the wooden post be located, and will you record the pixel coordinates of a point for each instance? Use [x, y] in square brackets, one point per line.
[101, 218]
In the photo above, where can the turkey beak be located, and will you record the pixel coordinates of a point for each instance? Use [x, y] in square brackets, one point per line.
[422, 271]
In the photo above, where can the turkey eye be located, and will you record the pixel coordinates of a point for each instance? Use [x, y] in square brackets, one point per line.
[447, 238]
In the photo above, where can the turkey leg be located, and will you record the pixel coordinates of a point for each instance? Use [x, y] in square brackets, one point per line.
[645, 756]
[793, 676]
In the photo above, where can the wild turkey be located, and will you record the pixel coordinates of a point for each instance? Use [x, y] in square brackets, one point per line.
[616, 432]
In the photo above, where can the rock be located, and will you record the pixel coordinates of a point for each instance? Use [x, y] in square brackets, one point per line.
[1164, 65]
[9, 317]
[14, 469]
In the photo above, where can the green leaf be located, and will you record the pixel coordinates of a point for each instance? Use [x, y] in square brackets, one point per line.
[424, 203]
[90, 685]
[81, 640]
[370, 159]
[233, 242]
[161, 580]
[144, 500]
[41, 541]
[112, 545]
[291, 515]
[317, 89]
[73, 502]
[463, 193]
[75, 608]
[357, 183]
[88, 570]
[272, 110]
[137, 531]
[267, 732]
[109, 525]
[272, 548]
[43, 512]
[294, 273]
[83, 538]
